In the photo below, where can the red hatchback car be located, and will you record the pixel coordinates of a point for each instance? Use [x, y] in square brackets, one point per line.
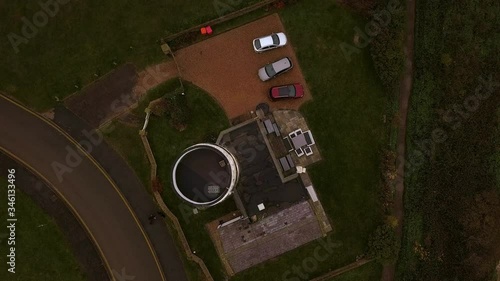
[286, 91]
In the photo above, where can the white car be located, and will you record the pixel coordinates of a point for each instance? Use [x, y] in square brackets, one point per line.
[274, 69]
[269, 42]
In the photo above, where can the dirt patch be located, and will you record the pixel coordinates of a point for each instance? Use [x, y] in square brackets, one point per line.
[96, 102]
[118, 91]
[226, 67]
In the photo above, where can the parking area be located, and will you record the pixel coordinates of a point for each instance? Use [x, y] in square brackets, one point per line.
[226, 67]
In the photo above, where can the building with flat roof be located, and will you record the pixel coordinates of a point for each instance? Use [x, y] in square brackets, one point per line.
[252, 162]
[261, 190]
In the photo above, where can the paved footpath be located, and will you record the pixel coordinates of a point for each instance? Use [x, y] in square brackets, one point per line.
[114, 227]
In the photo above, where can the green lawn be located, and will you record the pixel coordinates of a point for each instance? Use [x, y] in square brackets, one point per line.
[85, 38]
[42, 251]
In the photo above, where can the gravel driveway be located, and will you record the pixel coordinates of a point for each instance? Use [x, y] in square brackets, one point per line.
[226, 67]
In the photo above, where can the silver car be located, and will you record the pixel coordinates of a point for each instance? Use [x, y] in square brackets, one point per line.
[274, 69]
[269, 42]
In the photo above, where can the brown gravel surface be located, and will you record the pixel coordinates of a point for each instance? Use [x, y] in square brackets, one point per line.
[226, 67]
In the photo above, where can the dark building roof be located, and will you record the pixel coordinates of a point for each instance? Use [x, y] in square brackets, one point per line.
[259, 180]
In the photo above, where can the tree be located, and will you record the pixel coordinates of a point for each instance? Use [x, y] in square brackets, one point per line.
[177, 110]
[383, 244]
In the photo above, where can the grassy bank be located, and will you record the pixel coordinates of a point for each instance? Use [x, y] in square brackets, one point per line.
[42, 252]
[452, 201]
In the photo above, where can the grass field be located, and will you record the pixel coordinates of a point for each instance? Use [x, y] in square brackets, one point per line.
[42, 252]
[88, 38]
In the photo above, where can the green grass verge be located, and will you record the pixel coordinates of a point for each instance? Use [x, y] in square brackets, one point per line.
[42, 251]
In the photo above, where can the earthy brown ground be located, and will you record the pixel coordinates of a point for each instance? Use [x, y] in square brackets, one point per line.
[117, 91]
[154, 75]
[226, 67]
[94, 102]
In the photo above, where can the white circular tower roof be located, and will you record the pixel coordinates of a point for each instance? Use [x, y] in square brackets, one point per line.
[205, 174]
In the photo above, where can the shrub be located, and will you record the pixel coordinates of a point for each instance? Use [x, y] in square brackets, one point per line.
[383, 244]
[177, 110]
[159, 108]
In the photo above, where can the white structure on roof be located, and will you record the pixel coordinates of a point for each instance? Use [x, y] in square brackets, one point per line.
[205, 174]
[301, 170]
[261, 206]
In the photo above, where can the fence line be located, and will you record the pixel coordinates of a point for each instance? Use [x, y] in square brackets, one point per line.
[221, 19]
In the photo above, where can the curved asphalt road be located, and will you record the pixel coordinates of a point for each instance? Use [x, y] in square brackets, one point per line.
[118, 235]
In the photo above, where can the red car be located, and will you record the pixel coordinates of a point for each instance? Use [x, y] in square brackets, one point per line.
[286, 91]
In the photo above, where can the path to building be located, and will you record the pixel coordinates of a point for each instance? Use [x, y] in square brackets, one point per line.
[389, 271]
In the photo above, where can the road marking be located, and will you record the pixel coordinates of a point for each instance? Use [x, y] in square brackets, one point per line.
[82, 150]
[72, 209]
